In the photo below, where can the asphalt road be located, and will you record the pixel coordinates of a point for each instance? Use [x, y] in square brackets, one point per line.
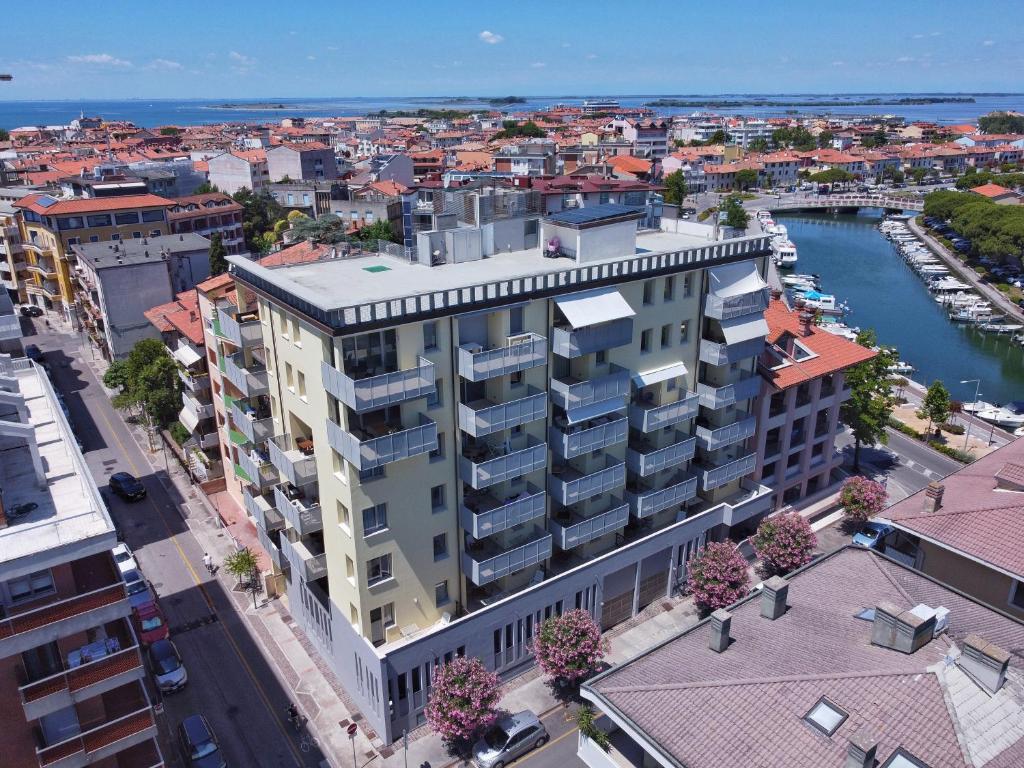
[560, 751]
[230, 681]
[904, 465]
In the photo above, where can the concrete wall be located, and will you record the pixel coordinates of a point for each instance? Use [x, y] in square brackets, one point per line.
[973, 578]
[125, 293]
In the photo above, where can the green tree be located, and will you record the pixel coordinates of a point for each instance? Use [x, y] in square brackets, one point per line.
[242, 563]
[825, 139]
[832, 176]
[758, 145]
[798, 138]
[735, 215]
[746, 178]
[872, 400]
[918, 174]
[876, 139]
[218, 254]
[936, 406]
[260, 212]
[4, 135]
[1001, 122]
[894, 174]
[147, 384]
[379, 230]
[511, 130]
[169, 130]
[675, 188]
[206, 188]
[718, 137]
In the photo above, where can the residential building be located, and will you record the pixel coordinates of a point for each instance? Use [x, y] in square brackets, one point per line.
[516, 416]
[854, 661]
[997, 194]
[648, 137]
[50, 227]
[534, 157]
[743, 132]
[206, 214]
[312, 198]
[13, 264]
[796, 417]
[311, 160]
[232, 171]
[565, 192]
[780, 169]
[10, 327]
[117, 282]
[73, 681]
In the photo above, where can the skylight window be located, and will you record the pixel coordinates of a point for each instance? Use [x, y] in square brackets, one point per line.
[903, 759]
[826, 716]
[866, 614]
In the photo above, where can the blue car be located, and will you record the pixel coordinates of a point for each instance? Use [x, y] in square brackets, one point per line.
[872, 534]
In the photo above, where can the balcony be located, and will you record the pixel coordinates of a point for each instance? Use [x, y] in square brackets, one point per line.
[648, 417]
[486, 561]
[712, 438]
[520, 352]
[571, 394]
[482, 514]
[727, 307]
[645, 501]
[194, 382]
[729, 394]
[645, 460]
[240, 328]
[721, 353]
[50, 289]
[257, 425]
[484, 466]
[255, 469]
[66, 688]
[568, 486]
[380, 443]
[42, 268]
[78, 613]
[273, 551]
[251, 379]
[373, 392]
[302, 513]
[576, 531]
[720, 475]
[199, 410]
[569, 342]
[575, 440]
[293, 458]
[101, 742]
[482, 417]
[260, 509]
[303, 560]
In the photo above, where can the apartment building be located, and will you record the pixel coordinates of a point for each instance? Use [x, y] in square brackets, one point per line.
[10, 327]
[232, 171]
[72, 690]
[468, 439]
[648, 138]
[313, 161]
[534, 157]
[50, 227]
[13, 264]
[206, 214]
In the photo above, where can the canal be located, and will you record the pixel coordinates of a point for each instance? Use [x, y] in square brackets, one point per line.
[864, 270]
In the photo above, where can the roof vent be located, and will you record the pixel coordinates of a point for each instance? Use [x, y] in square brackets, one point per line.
[773, 597]
[933, 496]
[860, 751]
[899, 630]
[721, 620]
[984, 663]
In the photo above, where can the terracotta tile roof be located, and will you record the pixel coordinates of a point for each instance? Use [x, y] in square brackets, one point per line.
[991, 190]
[181, 315]
[387, 187]
[980, 517]
[213, 283]
[629, 164]
[299, 253]
[746, 705]
[832, 353]
[92, 205]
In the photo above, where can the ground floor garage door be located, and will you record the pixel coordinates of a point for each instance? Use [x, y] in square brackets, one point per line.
[651, 588]
[616, 610]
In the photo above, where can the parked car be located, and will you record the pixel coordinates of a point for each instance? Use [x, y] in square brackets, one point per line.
[198, 744]
[139, 593]
[168, 670]
[33, 353]
[149, 622]
[872, 534]
[30, 310]
[508, 738]
[127, 486]
[124, 558]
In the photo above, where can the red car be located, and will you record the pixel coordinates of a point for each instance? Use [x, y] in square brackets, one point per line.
[149, 622]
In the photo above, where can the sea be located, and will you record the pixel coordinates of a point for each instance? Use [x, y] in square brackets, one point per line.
[156, 112]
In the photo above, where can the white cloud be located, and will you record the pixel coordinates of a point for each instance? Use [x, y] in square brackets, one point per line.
[935, 34]
[838, 63]
[591, 56]
[539, 64]
[242, 64]
[311, 58]
[904, 59]
[491, 38]
[988, 43]
[332, 47]
[165, 64]
[100, 59]
[918, 36]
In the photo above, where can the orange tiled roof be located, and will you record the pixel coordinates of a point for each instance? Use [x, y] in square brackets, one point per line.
[990, 190]
[299, 253]
[91, 205]
[213, 283]
[181, 315]
[629, 164]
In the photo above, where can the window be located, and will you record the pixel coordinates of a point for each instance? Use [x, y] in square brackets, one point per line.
[687, 285]
[115, 236]
[375, 519]
[344, 518]
[434, 399]
[94, 238]
[903, 759]
[71, 222]
[99, 220]
[684, 332]
[378, 569]
[353, 615]
[438, 453]
[430, 335]
[1017, 594]
[437, 498]
[649, 292]
[515, 320]
[515, 379]
[645, 339]
[296, 339]
[441, 594]
[131, 217]
[73, 241]
[440, 546]
[302, 385]
[666, 336]
[670, 289]
[289, 376]
[157, 215]
[601, 357]
[826, 716]
[154, 233]
[350, 570]
[30, 587]
[137, 235]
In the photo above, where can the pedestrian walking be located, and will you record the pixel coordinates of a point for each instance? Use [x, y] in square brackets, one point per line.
[208, 562]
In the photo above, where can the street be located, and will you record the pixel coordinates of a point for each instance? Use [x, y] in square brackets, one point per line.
[230, 679]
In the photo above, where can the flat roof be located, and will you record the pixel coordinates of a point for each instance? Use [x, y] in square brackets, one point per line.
[71, 516]
[139, 250]
[594, 214]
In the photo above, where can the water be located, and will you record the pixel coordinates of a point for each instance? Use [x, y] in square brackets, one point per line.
[154, 112]
[860, 267]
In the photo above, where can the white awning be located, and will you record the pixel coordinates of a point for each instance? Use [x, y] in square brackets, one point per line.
[189, 419]
[592, 307]
[593, 410]
[744, 328]
[185, 355]
[735, 279]
[659, 375]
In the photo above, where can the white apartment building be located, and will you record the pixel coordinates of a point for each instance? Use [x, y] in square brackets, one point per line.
[443, 450]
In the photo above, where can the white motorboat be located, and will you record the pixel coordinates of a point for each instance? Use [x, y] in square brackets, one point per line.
[783, 252]
[1006, 417]
[901, 367]
[978, 405]
[776, 230]
[825, 302]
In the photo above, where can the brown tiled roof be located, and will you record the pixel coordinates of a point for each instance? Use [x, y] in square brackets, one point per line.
[92, 205]
[181, 315]
[299, 253]
[213, 283]
[990, 190]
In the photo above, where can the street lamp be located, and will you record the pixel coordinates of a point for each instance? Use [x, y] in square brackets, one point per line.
[977, 394]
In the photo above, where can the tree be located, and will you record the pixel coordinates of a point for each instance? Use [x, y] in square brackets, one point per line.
[783, 543]
[894, 174]
[861, 498]
[586, 721]
[735, 215]
[759, 144]
[218, 254]
[463, 699]
[718, 137]
[260, 212]
[918, 174]
[242, 563]
[797, 138]
[379, 230]
[832, 176]
[871, 400]
[569, 647]
[935, 406]
[746, 178]
[4, 135]
[717, 576]
[169, 130]
[876, 139]
[206, 188]
[825, 139]
[147, 383]
[511, 129]
[1001, 122]
[675, 188]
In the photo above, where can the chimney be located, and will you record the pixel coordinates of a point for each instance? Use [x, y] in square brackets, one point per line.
[721, 620]
[933, 496]
[776, 294]
[900, 630]
[860, 751]
[806, 321]
[773, 597]
[984, 663]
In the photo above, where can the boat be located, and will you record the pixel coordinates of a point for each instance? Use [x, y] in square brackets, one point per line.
[763, 215]
[999, 327]
[1009, 416]
[776, 230]
[823, 302]
[977, 405]
[902, 368]
[783, 252]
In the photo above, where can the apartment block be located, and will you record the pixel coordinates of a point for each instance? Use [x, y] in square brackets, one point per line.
[72, 689]
[208, 214]
[245, 169]
[443, 449]
[13, 264]
[314, 161]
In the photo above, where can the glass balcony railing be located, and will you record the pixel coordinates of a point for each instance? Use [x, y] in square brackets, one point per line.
[373, 392]
[568, 485]
[486, 561]
[520, 352]
[645, 459]
[251, 379]
[293, 458]
[302, 512]
[645, 501]
[194, 382]
[575, 342]
[570, 393]
[648, 417]
[199, 410]
[310, 564]
[712, 438]
[256, 425]
[482, 514]
[575, 531]
[261, 510]
[720, 353]
[482, 417]
[571, 441]
[729, 394]
[728, 307]
[484, 466]
[240, 328]
[722, 474]
[255, 469]
[273, 550]
[382, 443]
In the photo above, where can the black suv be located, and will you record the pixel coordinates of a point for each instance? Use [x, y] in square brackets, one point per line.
[127, 486]
[199, 746]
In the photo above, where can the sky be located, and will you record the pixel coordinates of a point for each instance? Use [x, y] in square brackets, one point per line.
[304, 48]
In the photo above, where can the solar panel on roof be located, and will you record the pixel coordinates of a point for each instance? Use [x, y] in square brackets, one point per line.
[45, 201]
[591, 213]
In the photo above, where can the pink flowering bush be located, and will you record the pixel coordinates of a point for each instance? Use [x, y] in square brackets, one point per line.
[463, 699]
[717, 576]
[861, 499]
[783, 543]
[569, 647]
